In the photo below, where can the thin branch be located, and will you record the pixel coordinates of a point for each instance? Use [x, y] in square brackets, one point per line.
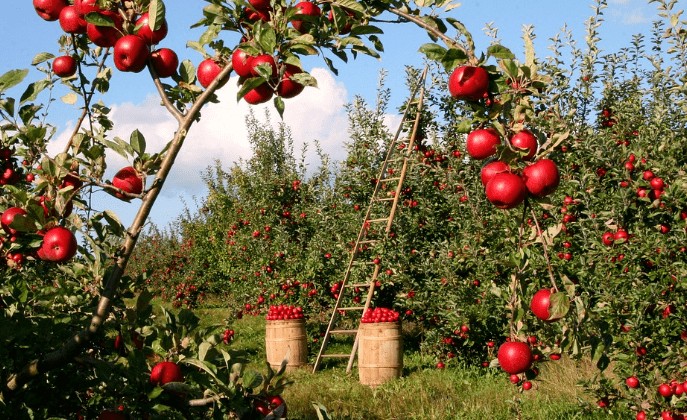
[546, 253]
[165, 99]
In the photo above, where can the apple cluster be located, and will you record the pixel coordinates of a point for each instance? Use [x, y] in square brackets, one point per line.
[540, 304]
[281, 312]
[131, 36]
[379, 315]
[10, 174]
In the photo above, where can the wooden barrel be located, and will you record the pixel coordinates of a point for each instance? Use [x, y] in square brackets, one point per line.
[282, 336]
[380, 352]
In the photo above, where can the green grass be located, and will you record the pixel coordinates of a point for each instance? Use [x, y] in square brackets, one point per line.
[424, 392]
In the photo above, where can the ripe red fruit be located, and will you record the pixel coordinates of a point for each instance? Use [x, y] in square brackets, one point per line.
[525, 140]
[308, 9]
[621, 235]
[166, 372]
[506, 190]
[129, 180]
[263, 59]
[541, 178]
[131, 53]
[540, 305]
[632, 382]
[260, 4]
[482, 143]
[8, 217]
[165, 62]
[71, 22]
[603, 402]
[514, 379]
[259, 95]
[49, 9]
[657, 183]
[648, 175]
[64, 66]
[468, 83]
[608, 238]
[147, 34]
[84, 7]
[208, 70]
[641, 415]
[665, 390]
[440, 365]
[105, 36]
[273, 402]
[242, 63]
[59, 245]
[515, 357]
[288, 88]
[492, 168]
[527, 385]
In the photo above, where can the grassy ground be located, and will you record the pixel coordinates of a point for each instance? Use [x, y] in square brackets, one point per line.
[424, 392]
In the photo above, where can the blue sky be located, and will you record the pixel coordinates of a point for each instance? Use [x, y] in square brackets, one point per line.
[317, 113]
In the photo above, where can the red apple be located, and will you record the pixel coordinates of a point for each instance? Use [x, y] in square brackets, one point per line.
[648, 175]
[482, 143]
[632, 382]
[84, 7]
[665, 390]
[71, 22]
[71, 180]
[207, 72]
[541, 178]
[59, 245]
[492, 168]
[165, 62]
[525, 140]
[540, 305]
[621, 235]
[149, 36]
[241, 63]
[260, 4]
[64, 66]
[166, 372]
[288, 88]
[263, 59]
[273, 401]
[657, 183]
[506, 190]
[469, 83]
[49, 9]
[8, 217]
[515, 357]
[305, 8]
[608, 238]
[131, 53]
[105, 36]
[259, 95]
[129, 180]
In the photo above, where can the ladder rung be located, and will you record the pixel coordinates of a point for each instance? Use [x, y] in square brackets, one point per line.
[369, 241]
[386, 199]
[363, 263]
[390, 179]
[378, 220]
[352, 308]
[343, 332]
[358, 285]
[326, 356]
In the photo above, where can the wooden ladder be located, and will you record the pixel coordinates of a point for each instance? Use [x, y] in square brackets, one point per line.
[397, 145]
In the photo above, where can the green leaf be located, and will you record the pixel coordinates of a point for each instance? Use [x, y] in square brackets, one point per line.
[196, 46]
[143, 300]
[98, 19]
[350, 5]
[41, 58]
[70, 98]
[156, 14]
[252, 379]
[203, 350]
[365, 30]
[138, 142]
[187, 71]
[8, 106]
[155, 392]
[12, 78]
[499, 51]
[453, 58]
[464, 31]
[266, 37]
[463, 127]
[116, 147]
[33, 90]
[249, 85]
[279, 105]
[559, 305]
[433, 51]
